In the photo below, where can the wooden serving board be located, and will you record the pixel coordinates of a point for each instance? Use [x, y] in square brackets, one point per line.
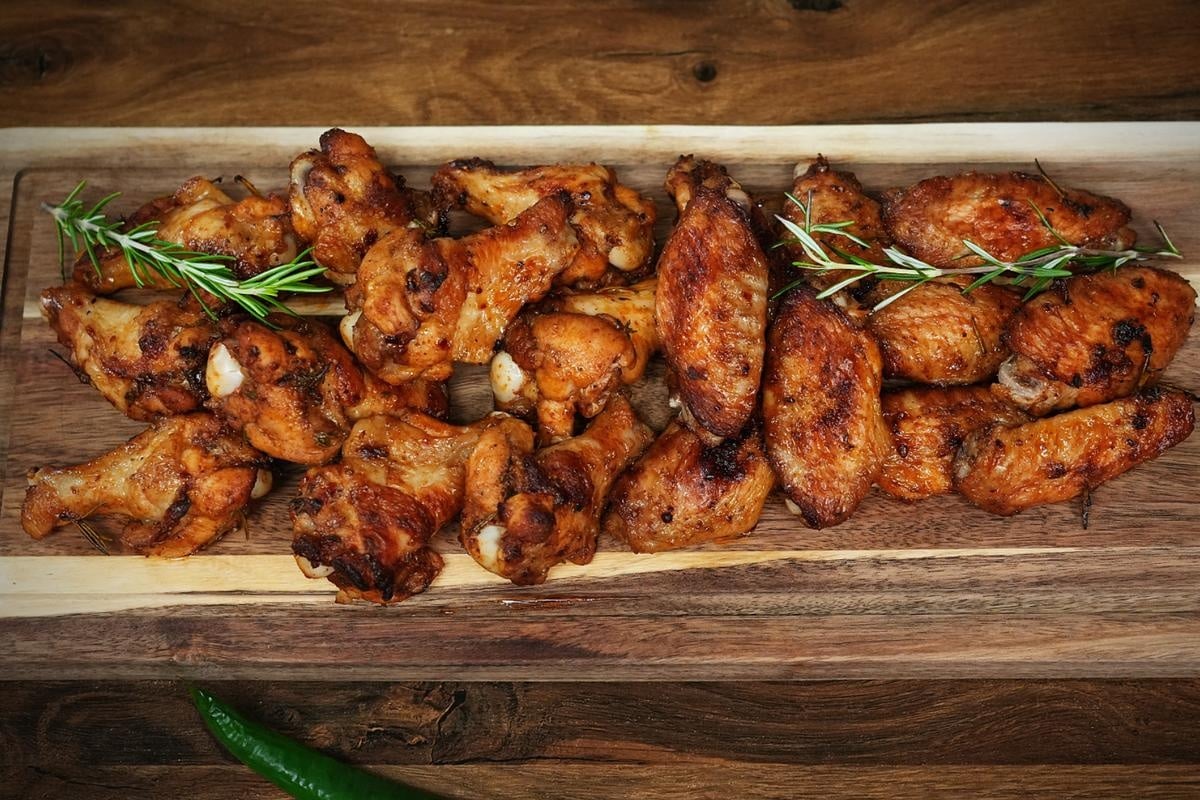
[935, 589]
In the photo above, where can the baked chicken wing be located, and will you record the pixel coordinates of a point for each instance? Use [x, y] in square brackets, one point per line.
[615, 223]
[420, 305]
[181, 484]
[569, 354]
[527, 511]
[825, 433]
[343, 200]
[366, 522]
[1005, 469]
[999, 212]
[683, 491]
[294, 391]
[928, 424]
[711, 301]
[148, 361]
[1094, 338]
[255, 232]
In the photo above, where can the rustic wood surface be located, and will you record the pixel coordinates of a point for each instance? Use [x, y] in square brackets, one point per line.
[778, 62]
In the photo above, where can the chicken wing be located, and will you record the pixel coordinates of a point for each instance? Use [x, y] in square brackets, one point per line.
[711, 301]
[1005, 469]
[294, 391]
[683, 491]
[569, 355]
[255, 232]
[999, 212]
[936, 334]
[148, 361]
[825, 434]
[527, 511]
[419, 305]
[343, 200]
[615, 223]
[366, 522]
[928, 424]
[182, 483]
[1094, 338]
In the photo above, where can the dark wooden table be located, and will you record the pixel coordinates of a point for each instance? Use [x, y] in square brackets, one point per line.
[475, 62]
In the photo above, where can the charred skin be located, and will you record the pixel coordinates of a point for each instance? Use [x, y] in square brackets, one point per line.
[1005, 469]
[527, 511]
[825, 433]
[295, 391]
[930, 219]
[936, 334]
[420, 305]
[148, 361]
[711, 302]
[181, 484]
[928, 425]
[683, 492]
[1094, 338]
[366, 522]
[343, 200]
[256, 232]
[615, 224]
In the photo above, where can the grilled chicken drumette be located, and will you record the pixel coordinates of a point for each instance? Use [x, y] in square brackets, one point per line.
[181, 484]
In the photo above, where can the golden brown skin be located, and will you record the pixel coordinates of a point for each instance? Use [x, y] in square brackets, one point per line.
[928, 424]
[181, 483]
[683, 492]
[1006, 469]
[420, 305]
[936, 334]
[148, 361]
[615, 223]
[711, 301]
[527, 511]
[570, 353]
[295, 391]
[366, 522]
[931, 219]
[343, 200]
[256, 232]
[1094, 338]
[825, 434]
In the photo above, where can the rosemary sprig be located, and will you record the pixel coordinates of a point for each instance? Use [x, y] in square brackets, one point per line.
[89, 230]
[1036, 269]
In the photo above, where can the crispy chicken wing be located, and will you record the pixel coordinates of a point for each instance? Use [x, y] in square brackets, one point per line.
[936, 334]
[825, 434]
[1093, 338]
[527, 511]
[997, 212]
[711, 301]
[295, 391]
[181, 483]
[256, 232]
[148, 361]
[615, 223]
[343, 200]
[683, 492]
[928, 424]
[1005, 469]
[419, 305]
[366, 522]
[570, 353]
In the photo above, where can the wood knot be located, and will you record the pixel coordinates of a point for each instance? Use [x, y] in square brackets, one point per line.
[815, 5]
[29, 62]
[705, 71]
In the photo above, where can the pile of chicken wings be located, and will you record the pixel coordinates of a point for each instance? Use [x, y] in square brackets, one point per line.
[1010, 403]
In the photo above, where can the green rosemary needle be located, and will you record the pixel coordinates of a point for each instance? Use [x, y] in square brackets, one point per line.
[1036, 269]
[89, 230]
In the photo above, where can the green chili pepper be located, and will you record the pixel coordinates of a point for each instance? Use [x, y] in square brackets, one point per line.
[300, 771]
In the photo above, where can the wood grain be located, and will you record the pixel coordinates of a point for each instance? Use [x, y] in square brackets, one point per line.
[481, 63]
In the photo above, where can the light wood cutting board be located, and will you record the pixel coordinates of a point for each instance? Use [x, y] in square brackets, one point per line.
[925, 590]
